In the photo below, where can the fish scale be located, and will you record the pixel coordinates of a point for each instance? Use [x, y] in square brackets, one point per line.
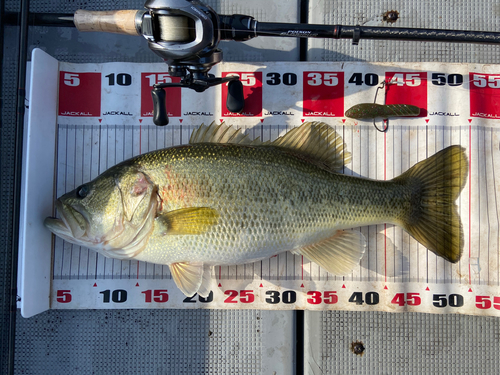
[302, 203]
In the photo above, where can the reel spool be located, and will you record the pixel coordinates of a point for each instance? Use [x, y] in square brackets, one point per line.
[176, 29]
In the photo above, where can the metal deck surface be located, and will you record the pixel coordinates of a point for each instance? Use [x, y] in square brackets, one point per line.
[247, 342]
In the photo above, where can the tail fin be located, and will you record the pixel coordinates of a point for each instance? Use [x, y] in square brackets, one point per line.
[433, 217]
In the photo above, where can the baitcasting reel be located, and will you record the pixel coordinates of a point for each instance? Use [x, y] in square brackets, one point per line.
[185, 33]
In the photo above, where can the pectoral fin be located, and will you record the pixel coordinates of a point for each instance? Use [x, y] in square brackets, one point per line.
[194, 220]
[338, 254]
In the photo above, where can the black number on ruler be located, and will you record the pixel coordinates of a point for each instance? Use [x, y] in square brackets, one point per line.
[371, 79]
[288, 296]
[371, 298]
[275, 297]
[454, 300]
[439, 79]
[357, 297]
[122, 79]
[289, 79]
[210, 298]
[118, 295]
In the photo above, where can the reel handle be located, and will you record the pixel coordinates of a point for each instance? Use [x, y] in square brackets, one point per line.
[235, 101]
[160, 115]
[126, 22]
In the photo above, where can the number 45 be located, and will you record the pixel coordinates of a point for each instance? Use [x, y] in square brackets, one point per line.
[408, 79]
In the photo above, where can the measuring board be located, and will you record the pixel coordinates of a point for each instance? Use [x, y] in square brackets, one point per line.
[85, 118]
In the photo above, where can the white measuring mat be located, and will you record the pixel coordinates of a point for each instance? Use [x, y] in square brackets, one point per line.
[100, 114]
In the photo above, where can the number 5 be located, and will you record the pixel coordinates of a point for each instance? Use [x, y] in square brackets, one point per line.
[64, 296]
[71, 79]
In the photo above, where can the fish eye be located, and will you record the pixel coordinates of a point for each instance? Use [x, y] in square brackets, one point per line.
[82, 191]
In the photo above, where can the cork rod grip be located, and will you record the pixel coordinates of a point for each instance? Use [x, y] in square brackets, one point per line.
[117, 21]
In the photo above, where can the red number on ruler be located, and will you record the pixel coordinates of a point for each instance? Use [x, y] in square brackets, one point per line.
[323, 94]
[232, 295]
[315, 297]
[252, 93]
[484, 302]
[412, 299]
[173, 94]
[79, 94]
[407, 88]
[246, 296]
[160, 295]
[484, 95]
[64, 296]
[329, 297]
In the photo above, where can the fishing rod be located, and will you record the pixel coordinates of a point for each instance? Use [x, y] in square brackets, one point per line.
[186, 34]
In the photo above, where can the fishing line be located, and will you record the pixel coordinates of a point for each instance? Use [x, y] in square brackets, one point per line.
[381, 86]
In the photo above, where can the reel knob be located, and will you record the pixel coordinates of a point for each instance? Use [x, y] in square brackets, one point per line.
[235, 101]
[160, 116]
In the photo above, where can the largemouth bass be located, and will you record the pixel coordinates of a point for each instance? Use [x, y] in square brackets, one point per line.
[225, 199]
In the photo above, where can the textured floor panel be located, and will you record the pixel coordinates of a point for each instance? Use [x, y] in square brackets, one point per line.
[137, 341]
[409, 343]
[7, 140]
[483, 15]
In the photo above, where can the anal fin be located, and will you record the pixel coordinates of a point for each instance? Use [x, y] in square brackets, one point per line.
[192, 278]
[187, 276]
[338, 254]
[206, 281]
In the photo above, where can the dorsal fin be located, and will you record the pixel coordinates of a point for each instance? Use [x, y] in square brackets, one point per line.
[221, 134]
[318, 142]
[315, 140]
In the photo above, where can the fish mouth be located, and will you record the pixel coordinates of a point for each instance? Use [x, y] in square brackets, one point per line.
[72, 225]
